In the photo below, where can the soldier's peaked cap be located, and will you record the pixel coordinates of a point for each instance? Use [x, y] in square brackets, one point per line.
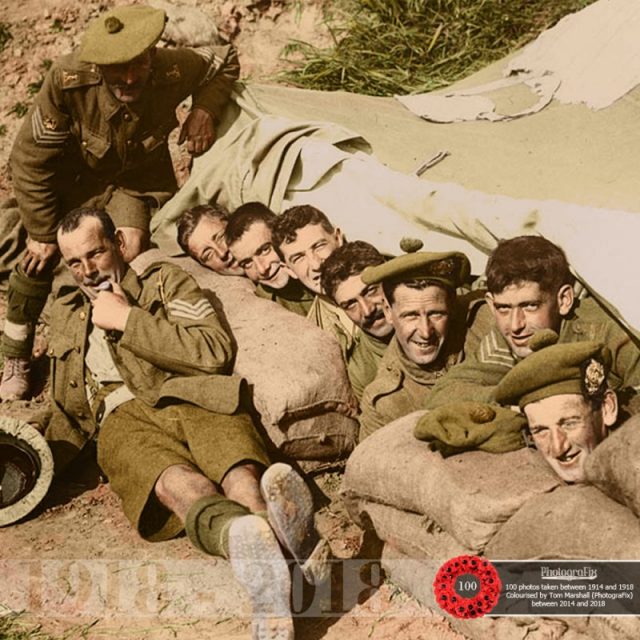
[26, 469]
[122, 34]
[449, 268]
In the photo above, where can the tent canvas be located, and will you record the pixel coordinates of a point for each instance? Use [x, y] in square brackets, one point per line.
[567, 172]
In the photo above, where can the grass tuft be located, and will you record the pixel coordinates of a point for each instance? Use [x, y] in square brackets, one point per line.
[388, 47]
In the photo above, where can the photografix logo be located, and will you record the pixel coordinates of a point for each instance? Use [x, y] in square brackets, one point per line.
[577, 573]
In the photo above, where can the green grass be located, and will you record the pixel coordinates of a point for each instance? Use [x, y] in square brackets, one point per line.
[387, 47]
[19, 109]
[12, 627]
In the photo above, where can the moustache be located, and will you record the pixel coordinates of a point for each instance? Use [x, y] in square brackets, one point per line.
[371, 319]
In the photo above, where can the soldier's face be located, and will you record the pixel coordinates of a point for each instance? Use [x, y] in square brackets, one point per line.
[255, 254]
[522, 309]
[127, 81]
[208, 246]
[364, 304]
[420, 318]
[566, 429]
[306, 254]
[93, 259]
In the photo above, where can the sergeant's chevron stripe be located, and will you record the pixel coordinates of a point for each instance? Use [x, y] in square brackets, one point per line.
[197, 311]
[43, 134]
[492, 353]
[213, 60]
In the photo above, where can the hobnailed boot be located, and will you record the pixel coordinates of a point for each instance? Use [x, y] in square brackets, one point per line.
[15, 382]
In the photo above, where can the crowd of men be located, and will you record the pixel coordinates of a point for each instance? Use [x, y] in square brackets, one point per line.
[141, 364]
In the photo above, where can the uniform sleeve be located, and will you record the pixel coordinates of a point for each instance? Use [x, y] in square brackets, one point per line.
[370, 419]
[183, 334]
[470, 380]
[36, 152]
[222, 70]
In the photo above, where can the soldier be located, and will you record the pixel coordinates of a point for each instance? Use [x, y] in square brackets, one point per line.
[97, 134]
[305, 238]
[363, 303]
[201, 235]
[249, 236]
[430, 322]
[530, 287]
[563, 391]
[139, 366]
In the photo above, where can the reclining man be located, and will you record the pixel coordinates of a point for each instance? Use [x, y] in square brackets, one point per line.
[564, 393]
[249, 236]
[201, 235]
[530, 287]
[139, 366]
[341, 280]
[430, 324]
[97, 135]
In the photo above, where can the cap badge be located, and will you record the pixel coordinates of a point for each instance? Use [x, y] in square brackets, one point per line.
[593, 376]
[113, 25]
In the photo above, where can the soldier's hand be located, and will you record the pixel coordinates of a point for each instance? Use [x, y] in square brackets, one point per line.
[37, 255]
[111, 309]
[198, 130]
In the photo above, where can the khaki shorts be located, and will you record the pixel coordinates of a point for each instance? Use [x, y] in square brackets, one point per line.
[137, 443]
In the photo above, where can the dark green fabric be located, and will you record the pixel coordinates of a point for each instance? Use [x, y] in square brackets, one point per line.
[207, 523]
[26, 298]
[467, 426]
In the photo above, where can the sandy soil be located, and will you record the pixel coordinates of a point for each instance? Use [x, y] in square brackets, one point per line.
[76, 567]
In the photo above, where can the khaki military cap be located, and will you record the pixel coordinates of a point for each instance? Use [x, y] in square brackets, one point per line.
[26, 469]
[450, 268]
[555, 369]
[122, 34]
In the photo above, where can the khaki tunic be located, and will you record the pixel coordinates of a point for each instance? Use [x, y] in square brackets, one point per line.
[483, 368]
[400, 388]
[78, 139]
[173, 348]
[364, 359]
[293, 297]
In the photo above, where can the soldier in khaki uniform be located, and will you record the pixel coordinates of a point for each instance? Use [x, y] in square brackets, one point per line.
[305, 238]
[363, 303]
[249, 235]
[530, 288]
[139, 365]
[430, 323]
[97, 134]
[564, 393]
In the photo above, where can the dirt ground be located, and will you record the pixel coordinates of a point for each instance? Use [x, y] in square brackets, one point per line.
[75, 568]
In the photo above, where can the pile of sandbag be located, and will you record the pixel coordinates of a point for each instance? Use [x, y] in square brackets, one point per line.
[511, 506]
[295, 370]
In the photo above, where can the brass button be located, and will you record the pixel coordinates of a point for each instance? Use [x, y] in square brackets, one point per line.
[127, 116]
[50, 352]
[84, 143]
[83, 315]
[73, 384]
[129, 143]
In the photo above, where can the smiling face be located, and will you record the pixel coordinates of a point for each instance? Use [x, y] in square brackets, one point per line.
[256, 255]
[522, 309]
[127, 81]
[208, 246]
[420, 318]
[93, 259]
[307, 252]
[566, 429]
[364, 304]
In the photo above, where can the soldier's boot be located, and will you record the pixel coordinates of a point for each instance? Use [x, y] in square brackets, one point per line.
[26, 298]
[221, 527]
[16, 380]
[290, 512]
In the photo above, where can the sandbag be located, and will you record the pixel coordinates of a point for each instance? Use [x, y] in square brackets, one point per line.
[614, 465]
[295, 370]
[468, 495]
[416, 577]
[572, 522]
